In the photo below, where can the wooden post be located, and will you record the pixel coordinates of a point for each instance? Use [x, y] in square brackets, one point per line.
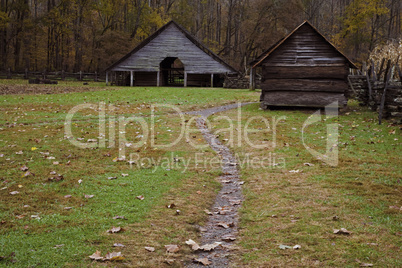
[383, 99]
[158, 76]
[369, 86]
[185, 79]
[80, 76]
[373, 75]
[212, 80]
[252, 79]
[399, 72]
[107, 78]
[131, 78]
[387, 70]
[351, 86]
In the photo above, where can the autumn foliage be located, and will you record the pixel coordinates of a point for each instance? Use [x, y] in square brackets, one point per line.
[89, 35]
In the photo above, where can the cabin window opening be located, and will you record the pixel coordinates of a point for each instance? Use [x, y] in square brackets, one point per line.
[172, 72]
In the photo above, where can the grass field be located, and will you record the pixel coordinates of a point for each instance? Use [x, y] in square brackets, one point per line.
[293, 198]
[48, 220]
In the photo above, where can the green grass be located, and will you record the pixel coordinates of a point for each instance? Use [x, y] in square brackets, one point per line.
[297, 208]
[35, 125]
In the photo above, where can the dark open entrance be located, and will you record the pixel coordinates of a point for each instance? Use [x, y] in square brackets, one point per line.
[172, 72]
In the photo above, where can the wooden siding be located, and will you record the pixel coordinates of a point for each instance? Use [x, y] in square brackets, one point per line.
[171, 42]
[305, 70]
[145, 79]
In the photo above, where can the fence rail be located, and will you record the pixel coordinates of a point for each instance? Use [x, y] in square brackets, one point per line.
[60, 75]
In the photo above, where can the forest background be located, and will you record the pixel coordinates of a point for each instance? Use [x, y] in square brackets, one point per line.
[89, 35]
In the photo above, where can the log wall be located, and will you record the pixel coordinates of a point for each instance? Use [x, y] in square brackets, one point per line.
[305, 70]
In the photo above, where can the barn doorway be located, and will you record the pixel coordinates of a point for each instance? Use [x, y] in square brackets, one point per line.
[172, 72]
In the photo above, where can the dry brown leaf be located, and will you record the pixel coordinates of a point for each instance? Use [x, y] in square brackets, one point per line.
[24, 168]
[172, 248]
[342, 231]
[150, 249]
[208, 212]
[140, 197]
[193, 244]
[203, 261]
[118, 245]
[68, 208]
[89, 196]
[56, 178]
[209, 247]
[225, 224]
[170, 261]
[228, 238]
[14, 192]
[96, 256]
[115, 230]
[296, 247]
[114, 256]
[171, 205]
[199, 192]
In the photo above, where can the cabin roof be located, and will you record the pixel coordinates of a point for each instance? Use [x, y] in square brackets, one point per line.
[269, 51]
[189, 36]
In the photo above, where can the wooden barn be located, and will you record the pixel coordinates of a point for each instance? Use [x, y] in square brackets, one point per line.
[302, 69]
[169, 57]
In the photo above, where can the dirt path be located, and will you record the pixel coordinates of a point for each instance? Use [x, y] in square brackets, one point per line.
[223, 223]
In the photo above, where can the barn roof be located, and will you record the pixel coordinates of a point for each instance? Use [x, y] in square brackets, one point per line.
[225, 67]
[269, 51]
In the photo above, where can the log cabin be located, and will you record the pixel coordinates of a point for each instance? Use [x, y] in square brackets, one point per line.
[302, 69]
[169, 57]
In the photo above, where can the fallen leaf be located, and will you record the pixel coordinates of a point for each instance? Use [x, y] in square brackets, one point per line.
[24, 168]
[19, 152]
[284, 247]
[35, 217]
[59, 246]
[115, 230]
[56, 178]
[124, 175]
[172, 248]
[96, 256]
[68, 196]
[193, 244]
[296, 247]
[199, 192]
[28, 173]
[294, 171]
[203, 261]
[20, 216]
[140, 197]
[228, 238]
[208, 212]
[225, 225]
[150, 249]
[209, 247]
[112, 178]
[56, 163]
[14, 192]
[366, 265]
[234, 202]
[169, 261]
[342, 231]
[372, 244]
[79, 181]
[34, 148]
[308, 164]
[335, 218]
[114, 256]
[68, 208]
[118, 245]
[171, 206]
[119, 217]
[89, 196]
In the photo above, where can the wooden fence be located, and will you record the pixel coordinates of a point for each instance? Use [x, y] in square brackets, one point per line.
[44, 75]
[381, 91]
